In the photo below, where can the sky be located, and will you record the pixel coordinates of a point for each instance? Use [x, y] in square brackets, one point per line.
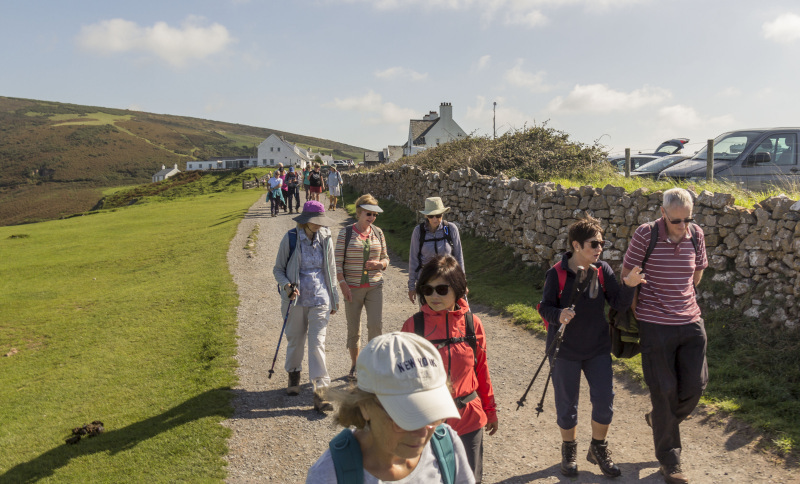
[624, 73]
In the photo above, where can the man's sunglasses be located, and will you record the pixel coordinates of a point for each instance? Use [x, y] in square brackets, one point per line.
[434, 216]
[441, 289]
[687, 220]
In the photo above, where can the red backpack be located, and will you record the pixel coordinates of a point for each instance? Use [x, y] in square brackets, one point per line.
[562, 281]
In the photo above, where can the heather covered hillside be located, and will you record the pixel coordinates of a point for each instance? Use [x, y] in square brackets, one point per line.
[55, 157]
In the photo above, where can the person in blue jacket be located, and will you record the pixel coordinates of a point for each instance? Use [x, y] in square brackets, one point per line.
[586, 343]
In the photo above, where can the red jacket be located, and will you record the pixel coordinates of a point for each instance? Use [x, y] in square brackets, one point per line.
[460, 365]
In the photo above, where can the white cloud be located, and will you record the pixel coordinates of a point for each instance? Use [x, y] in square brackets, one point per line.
[599, 98]
[683, 118]
[400, 72]
[177, 46]
[730, 91]
[526, 13]
[784, 29]
[516, 76]
[483, 62]
[372, 104]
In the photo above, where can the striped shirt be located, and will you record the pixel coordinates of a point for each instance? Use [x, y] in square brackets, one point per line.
[354, 272]
[668, 297]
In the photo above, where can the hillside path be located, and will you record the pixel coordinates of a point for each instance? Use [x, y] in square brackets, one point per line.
[277, 437]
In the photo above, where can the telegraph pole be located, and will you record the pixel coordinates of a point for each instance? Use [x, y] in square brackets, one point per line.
[494, 117]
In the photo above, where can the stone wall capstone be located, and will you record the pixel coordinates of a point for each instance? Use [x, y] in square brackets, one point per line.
[753, 254]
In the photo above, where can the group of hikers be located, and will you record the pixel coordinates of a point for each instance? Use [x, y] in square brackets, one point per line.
[412, 392]
[283, 187]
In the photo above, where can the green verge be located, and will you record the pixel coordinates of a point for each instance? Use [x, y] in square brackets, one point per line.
[754, 371]
[128, 317]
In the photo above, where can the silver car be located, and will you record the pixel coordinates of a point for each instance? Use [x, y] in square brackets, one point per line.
[756, 159]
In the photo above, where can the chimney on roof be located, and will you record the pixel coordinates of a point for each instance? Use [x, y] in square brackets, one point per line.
[163, 167]
[446, 111]
[432, 115]
[176, 166]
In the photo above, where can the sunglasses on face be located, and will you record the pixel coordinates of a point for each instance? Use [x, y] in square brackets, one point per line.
[686, 220]
[597, 243]
[441, 289]
[371, 214]
[431, 217]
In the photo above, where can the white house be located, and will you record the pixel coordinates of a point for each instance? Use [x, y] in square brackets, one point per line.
[165, 173]
[221, 163]
[275, 149]
[432, 130]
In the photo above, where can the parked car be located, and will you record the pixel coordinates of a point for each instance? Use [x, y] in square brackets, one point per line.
[753, 158]
[653, 168]
[669, 147]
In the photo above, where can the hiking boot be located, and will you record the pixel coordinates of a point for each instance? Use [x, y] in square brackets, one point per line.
[569, 454]
[600, 455]
[294, 383]
[320, 404]
[352, 376]
[649, 419]
[673, 474]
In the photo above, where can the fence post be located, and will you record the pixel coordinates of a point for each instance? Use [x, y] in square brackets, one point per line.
[710, 162]
[627, 162]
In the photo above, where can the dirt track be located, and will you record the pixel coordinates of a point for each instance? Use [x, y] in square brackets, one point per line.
[277, 437]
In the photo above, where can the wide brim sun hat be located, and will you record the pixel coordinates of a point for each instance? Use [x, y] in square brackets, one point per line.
[406, 373]
[314, 212]
[434, 206]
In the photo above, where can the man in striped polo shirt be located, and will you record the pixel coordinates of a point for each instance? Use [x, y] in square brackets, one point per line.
[671, 331]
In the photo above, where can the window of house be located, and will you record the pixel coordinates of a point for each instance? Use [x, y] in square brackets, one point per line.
[279, 148]
[271, 161]
[272, 148]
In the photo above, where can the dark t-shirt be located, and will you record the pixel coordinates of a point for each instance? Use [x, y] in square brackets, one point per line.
[315, 179]
[292, 179]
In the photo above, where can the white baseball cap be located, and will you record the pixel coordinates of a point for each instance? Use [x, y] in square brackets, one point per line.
[406, 373]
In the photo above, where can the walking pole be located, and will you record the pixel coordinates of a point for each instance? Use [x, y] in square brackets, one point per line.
[582, 283]
[556, 342]
[280, 338]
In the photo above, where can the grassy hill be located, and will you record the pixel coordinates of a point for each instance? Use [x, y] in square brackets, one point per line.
[55, 158]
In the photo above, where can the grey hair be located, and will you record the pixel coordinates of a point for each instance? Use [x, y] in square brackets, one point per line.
[677, 197]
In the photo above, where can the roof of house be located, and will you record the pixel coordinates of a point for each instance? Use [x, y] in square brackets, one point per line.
[373, 156]
[418, 129]
[166, 171]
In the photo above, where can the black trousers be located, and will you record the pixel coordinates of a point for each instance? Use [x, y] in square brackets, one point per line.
[473, 445]
[675, 368]
[293, 192]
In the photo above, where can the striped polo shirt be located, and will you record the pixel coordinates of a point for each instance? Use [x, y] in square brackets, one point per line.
[353, 265]
[668, 297]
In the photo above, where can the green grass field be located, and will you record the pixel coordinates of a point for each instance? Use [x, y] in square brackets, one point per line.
[127, 317]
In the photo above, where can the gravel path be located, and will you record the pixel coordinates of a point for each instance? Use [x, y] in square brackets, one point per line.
[277, 437]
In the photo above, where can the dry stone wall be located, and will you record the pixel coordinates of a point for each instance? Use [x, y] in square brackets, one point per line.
[754, 254]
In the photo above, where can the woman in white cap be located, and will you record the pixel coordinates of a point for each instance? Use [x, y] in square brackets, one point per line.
[431, 238]
[398, 410]
[361, 258]
[305, 270]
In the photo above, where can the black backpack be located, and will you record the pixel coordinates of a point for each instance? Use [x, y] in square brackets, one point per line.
[448, 236]
[623, 325]
[469, 337]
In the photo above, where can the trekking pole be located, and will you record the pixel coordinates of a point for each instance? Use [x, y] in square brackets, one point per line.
[582, 283]
[521, 401]
[280, 338]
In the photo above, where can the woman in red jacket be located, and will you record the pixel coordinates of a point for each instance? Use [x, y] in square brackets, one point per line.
[441, 288]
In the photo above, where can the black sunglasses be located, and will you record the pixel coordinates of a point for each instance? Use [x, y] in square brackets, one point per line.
[441, 289]
[372, 214]
[597, 243]
[687, 220]
[434, 216]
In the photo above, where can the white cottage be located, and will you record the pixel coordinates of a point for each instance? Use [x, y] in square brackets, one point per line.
[432, 130]
[275, 150]
[165, 173]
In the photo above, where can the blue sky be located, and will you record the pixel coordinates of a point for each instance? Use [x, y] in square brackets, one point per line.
[630, 73]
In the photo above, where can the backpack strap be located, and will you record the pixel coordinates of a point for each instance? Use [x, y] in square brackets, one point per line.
[347, 459]
[442, 445]
[422, 231]
[470, 338]
[653, 241]
[348, 234]
[448, 234]
[695, 237]
[292, 241]
[419, 323]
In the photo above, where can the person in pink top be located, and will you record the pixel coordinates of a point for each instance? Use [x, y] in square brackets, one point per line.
[671, 331]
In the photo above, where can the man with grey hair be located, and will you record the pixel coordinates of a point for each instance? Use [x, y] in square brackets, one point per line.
[671, 331]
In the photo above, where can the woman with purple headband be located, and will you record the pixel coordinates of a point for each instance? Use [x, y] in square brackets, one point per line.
[305, 272]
